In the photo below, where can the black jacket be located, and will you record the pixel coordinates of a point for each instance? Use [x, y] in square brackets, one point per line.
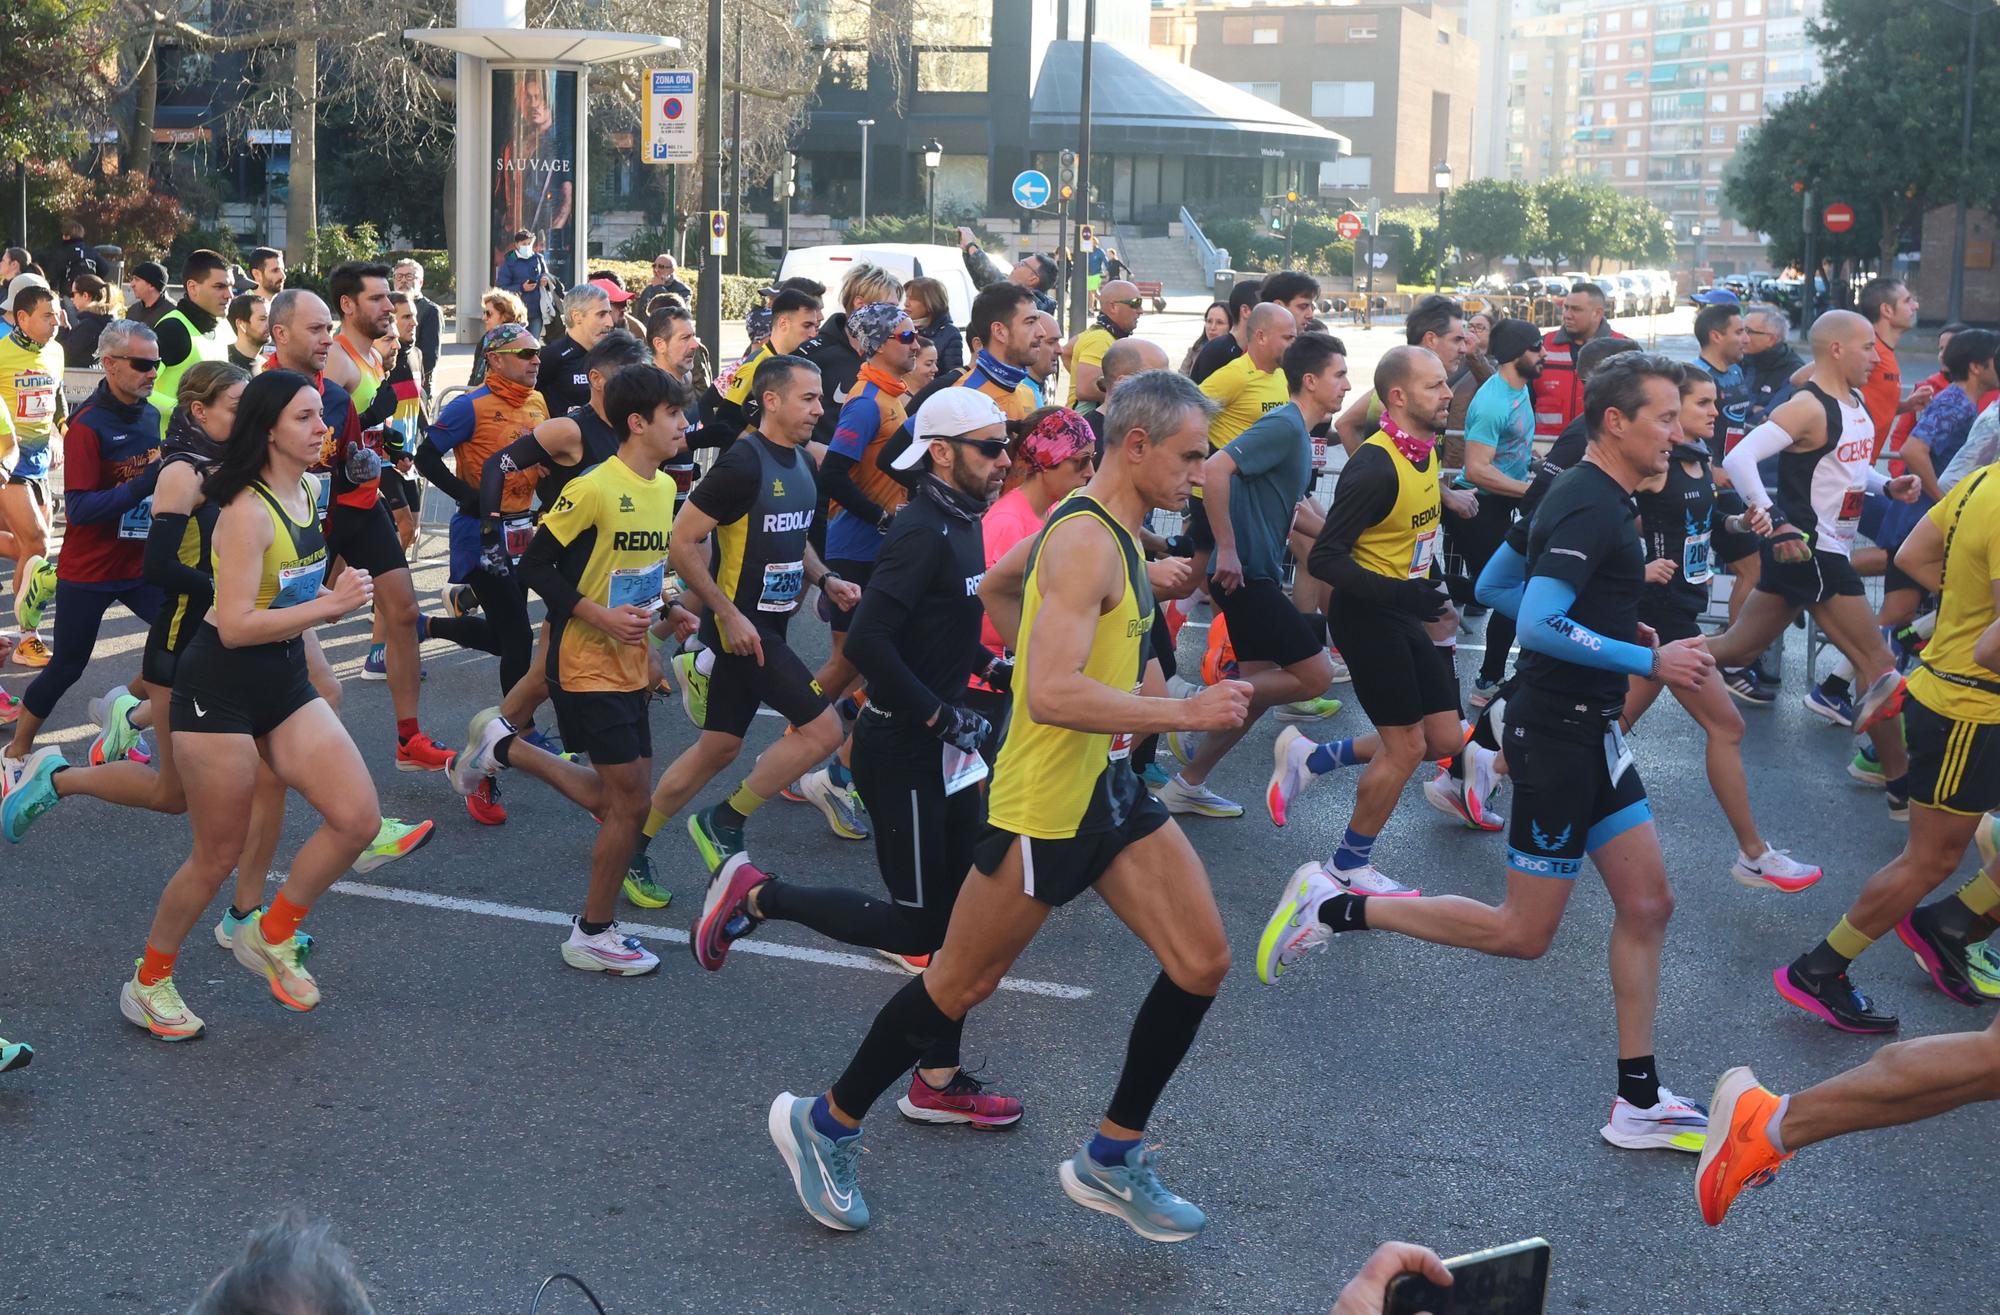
[839, 366]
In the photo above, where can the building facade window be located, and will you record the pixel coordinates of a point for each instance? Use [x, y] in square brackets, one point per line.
[1343, 100]
[1631, 168]
[1261, 90]
[1348, 173]
[1361, 29]
[1752, 37]
[846, 70]
[1715, 134]
[951, 70]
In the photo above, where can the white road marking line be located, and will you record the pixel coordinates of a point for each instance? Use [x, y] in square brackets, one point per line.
[675, 936]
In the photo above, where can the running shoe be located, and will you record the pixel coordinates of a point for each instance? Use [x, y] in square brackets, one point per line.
[1185, 745]
[32, 652]
[607, 952]
[544, 741]
[1883, 698]
[1672, 1124]
[1455, 797]
[476, 761]
[825, 1170]
[1941, 957]
[1766, 667]
[1294, 926]
[1744, 685]
[1341, 675]
[10, 707]
[112, 710]
[694, 688]
[38, 590]
[716, 841]
[1866, 768]
[458, 600]
[394, 839]
[1833, 1000]
[1776, 869]
[1180, 797]
[1982, 966]
[1987, 836]
[1482, 782]
[376, 665]
[227, 927]
[913, 964]
[420, 753]
[483, 804]
[1309, 709]
[32, 795]
[158, 1008]
[282, 965]
[1898, 801]
[641, 888]
[1483, 691]
[1133, 1193]
[838, 806]
[1836, 708]
[1368, 880]
[1741, 1153]
[1154, 776]
[724, 917]
[790, 794]
[1289, 773]
[962, 1100]
[15, 1054]
[144, 749]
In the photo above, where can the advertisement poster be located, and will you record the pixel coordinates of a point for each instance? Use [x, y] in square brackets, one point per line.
[534, 164]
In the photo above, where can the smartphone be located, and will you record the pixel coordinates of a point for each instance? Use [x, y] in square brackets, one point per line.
[1508, 1280]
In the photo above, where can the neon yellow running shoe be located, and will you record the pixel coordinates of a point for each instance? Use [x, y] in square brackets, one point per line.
[158, 1008]
[395, 840]
[640, 887]
[694, 688]
[1983, 967]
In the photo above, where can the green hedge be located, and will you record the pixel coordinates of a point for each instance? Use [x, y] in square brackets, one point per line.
[739, 292]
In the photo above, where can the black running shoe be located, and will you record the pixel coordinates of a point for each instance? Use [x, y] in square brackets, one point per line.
[1832, 999]
[1940, 956]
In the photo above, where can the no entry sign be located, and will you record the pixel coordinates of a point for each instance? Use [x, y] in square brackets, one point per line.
[1348, 225]
[1839, 217]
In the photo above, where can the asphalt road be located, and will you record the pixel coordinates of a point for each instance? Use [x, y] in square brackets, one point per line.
[474, 1116]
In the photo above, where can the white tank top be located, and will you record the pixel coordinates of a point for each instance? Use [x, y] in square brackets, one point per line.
[1821, 491]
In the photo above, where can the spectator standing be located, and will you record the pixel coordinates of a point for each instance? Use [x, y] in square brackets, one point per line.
[524, 272]
[149, 294]
[267, 270]
[1558, 390]
[407, 276]
[92, 298]
[925, 302]
[74, 259]
[666, 282]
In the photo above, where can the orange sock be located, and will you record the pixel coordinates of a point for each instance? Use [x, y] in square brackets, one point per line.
[282, 919]
[156, 967]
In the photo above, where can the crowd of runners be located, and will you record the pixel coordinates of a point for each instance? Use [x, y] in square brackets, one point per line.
[1005, 580]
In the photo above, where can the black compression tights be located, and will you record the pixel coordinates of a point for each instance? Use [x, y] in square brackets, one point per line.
[502, 628]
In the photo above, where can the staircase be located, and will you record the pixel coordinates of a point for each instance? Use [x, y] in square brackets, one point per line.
[1165, 260]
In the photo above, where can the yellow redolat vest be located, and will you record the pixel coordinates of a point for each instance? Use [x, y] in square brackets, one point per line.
[1402, 544]
[1050, 782]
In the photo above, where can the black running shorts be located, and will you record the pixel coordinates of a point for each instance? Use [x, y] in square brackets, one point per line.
[1196, 529]
[1263, 624]
[220, 690]
[739, 686]
[1400, 676]
[610, 726]
[1565, 803]
[366, 539]
[1802, 584]
[1057, 871]
[1954, 765]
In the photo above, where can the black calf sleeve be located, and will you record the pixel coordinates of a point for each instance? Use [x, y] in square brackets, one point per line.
[907, 1025]
[1161, 1035]
[853, 918]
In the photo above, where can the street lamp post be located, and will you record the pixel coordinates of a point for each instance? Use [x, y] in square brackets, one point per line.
[866, 124]
[933, 157]
[1695, 231]
[1441, 176]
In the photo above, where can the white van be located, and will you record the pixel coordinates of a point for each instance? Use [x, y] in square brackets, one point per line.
[906, 260]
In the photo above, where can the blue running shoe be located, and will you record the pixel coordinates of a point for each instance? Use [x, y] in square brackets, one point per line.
[33, 795]
[1836, 708]
[376, 665]
[1744, 686]
[823, 1168]
[1132, 1192]
[543, 741]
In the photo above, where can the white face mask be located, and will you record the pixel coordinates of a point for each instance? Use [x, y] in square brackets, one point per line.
[525, 249]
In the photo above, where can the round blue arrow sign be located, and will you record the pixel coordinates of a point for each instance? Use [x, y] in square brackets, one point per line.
[1031, 189]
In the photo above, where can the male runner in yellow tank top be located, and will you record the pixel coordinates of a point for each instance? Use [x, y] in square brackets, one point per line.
[1066, 813]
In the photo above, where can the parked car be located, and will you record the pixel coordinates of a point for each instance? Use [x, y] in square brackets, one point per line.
[906, 260]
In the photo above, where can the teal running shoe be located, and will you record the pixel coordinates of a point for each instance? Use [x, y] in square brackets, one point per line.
[15, 1054]
[824, 1169]
[33, 795]
[715, 841]
[1132, 1192]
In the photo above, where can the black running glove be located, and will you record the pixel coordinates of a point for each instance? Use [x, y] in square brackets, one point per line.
[961, 728]
[1421, 599]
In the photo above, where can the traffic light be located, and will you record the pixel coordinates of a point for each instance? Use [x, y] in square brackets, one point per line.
[1292, 198]
[1066, 179]
[785, 184]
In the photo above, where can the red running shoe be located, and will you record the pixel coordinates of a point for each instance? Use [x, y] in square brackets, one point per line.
[420, 753]
[484, 803]
[964, 1100]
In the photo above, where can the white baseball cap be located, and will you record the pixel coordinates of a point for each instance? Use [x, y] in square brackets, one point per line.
[949, 413]
[21, 283]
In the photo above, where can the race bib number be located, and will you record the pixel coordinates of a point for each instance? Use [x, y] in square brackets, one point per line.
[1695, 566]
[516, 533]
[783, 583]
[1850, 515]
[137, 523]
[1617, 754]
[34, 398]
[961, 769]
[299, 584]
[1731, 436]
[1422, 554]
[637, 586]
[1319, 451]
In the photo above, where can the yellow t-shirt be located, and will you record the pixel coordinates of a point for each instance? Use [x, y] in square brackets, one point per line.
[31, 387]
[613, 527]
[1969, 519]
[1245, 394]
[1088, 349]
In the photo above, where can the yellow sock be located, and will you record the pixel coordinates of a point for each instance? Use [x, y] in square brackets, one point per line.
[655, 819]
[746, 801]
[1847, 942]
[1980, 894]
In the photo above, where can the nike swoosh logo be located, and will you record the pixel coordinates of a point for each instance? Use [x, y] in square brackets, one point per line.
[842, 1199]
[1122, 1193]
[199, 711]
[840, 395]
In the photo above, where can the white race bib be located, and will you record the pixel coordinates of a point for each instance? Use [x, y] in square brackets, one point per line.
[961, 769]
[637, 586]
[299, 584]
[137, 523]
[783, 583]
[1695, 565]
[1422, 553]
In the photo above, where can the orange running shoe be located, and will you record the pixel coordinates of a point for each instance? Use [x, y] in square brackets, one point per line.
[1739, 1152]
[420, 753]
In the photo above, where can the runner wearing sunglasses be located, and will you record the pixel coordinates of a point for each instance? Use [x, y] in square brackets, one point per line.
[1118, 309]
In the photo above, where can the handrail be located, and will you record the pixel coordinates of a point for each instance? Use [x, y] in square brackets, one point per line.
[1206, 254]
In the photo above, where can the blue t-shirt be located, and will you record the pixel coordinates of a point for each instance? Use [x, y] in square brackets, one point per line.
[1273, 469]
[1503, 418]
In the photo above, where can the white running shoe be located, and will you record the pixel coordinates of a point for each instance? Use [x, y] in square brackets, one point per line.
[840, 807]
[475, 761]
[607, 952]
[1294, 926]
[1482, 777]
[1775, 870]
[1341, 675]
[1672, 1125]
[1446, 793]
[1368, 881]
[1289, 773]
[1185, 745]
[1179, 687]
[1180, 797]
[15, 770]
[1882, 698]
